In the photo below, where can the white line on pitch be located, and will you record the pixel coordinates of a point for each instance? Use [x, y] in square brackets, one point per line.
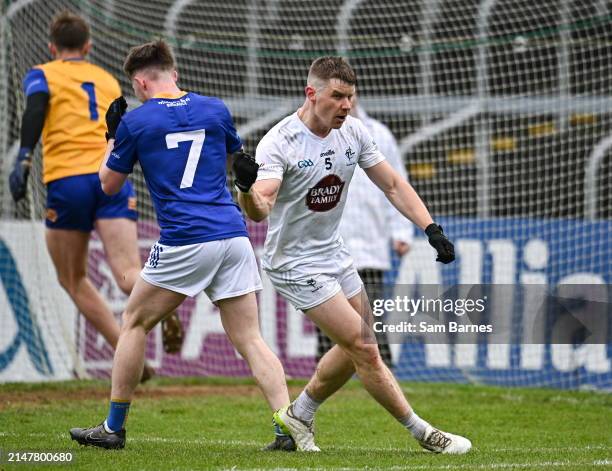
[360, 446]
[543, 464]
[355, 446]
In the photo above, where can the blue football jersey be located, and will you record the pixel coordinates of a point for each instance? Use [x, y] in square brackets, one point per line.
[182, 145]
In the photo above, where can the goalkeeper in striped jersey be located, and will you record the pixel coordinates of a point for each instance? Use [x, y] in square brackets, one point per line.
[66, 99]
[303, 167]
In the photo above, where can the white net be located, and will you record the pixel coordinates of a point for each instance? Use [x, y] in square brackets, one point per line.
[501, 111]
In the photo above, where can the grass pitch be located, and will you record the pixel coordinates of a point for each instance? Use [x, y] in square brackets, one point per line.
[220, 424]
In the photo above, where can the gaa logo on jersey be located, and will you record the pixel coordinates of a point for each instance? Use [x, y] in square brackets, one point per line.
[326, 194]
[305, 163]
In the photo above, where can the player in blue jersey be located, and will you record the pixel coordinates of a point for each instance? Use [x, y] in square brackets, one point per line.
[181, 141]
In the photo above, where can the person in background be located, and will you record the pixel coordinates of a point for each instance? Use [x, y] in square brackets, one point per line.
[371, 226]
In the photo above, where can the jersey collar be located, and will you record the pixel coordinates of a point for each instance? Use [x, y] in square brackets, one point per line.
[170, 95]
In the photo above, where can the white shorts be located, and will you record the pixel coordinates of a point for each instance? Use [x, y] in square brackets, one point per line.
[222, 268]
[315, 281]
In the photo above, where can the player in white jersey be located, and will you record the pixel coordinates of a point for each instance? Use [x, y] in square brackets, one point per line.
[306, 162]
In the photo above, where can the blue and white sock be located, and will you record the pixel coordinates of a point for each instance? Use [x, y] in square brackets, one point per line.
[117, 415]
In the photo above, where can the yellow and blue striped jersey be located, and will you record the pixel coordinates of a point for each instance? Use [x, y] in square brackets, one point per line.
[73, 133]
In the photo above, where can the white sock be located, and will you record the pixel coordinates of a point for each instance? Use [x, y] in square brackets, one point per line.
[304, 407]
[106, 427]
[415, 425]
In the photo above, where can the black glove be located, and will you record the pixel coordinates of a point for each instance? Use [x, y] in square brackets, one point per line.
[444, 247]
[113, 116]
[18, 179]
[245, 171]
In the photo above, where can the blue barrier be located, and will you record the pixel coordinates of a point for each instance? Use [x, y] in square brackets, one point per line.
[28, 332]
[552, 251]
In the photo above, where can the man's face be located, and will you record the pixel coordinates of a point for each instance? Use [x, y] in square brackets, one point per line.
[333, 103]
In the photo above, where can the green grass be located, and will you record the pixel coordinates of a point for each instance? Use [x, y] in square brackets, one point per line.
[209, 424]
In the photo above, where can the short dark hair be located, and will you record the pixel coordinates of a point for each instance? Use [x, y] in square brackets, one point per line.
[332, 67]
[68, 31]
[155, 55]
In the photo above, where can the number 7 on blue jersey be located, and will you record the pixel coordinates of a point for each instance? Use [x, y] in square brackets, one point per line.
[195, 151]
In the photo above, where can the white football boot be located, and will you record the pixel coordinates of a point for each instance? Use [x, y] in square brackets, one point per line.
[438, 441]
[301, 432]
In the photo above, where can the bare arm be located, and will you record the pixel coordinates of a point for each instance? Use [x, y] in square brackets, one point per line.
[259, 201]
[111, 180]
[400, 193]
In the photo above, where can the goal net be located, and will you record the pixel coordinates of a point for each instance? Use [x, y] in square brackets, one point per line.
[501, 111]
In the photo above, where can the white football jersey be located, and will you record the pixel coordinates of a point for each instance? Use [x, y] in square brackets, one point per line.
[315, 173]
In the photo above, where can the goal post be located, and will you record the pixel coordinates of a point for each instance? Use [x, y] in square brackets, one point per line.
[501, 110]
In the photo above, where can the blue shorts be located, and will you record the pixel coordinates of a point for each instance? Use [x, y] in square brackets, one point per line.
[77, 202]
